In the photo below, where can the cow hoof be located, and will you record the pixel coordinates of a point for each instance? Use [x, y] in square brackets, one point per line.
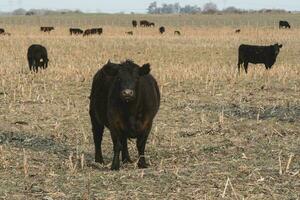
[115, 167]
[142, 165]
[99, 161]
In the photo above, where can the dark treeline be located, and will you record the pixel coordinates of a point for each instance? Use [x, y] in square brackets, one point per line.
[208, 8]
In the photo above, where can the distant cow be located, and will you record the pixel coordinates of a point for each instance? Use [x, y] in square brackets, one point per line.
[177, 33]
[237, 30]
[47, 28]
[75, 31]
[2, 32]
[129, 33]
[151, 24]
[258, 54]
[124, 98]
[144, 23]
[93, 31]
[162, 29]
[284, 24]
[134, 23]
[37, 57]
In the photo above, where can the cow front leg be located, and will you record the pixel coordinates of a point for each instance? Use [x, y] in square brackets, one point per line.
[141, 144]
[117, 148]
[125, 153]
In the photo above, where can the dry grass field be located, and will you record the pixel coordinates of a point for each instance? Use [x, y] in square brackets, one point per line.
[217, 135]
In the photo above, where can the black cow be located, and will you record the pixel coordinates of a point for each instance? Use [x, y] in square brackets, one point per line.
[177, 33]
[144, 23]
[47, 28]
[152, 24]
[2, 31]
[237, 30]
[162, 29]
[134, 23]
[75, 31]
[129, 33]
[37, 57]
[258, 54]
[284, 24]
[93, 31]
[124, 98]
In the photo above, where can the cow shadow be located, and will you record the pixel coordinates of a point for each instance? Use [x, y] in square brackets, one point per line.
[45, 144]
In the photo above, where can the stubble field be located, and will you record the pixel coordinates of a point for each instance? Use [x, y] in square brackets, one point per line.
[217, 135]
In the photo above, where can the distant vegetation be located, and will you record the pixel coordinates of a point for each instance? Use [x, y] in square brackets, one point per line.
[154, 8]
[208, 8]
[21, 11]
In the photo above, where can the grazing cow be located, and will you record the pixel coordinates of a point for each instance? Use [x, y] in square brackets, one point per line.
[124, 98]
[177, 33]
[284, 24]
[134, 23]
[93, 31]
[37, 57]
[162, 29]
[258, 54]
[152, 24]
[237, 30]
[47, 28]
[75, 31]
[144, 23]
[129, 33]
[2, 31]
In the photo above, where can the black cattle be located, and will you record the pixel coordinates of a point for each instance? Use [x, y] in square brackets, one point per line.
[257, 54]
[284, 24]
[75, 31]
[2, 32]
[37, 57]
[162, 29]
[237, 30]
[93, 31]
[129, 33]
[177, 33]
[124, 98]
[134, 23]
[151, 24]
[144, 23]
[47, 28]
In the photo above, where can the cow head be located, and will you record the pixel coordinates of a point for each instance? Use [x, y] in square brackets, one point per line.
[277, 48]
[127, 75]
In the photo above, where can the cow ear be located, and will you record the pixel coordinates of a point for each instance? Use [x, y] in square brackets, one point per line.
[280, 46]
[111, 69]
[144, 70]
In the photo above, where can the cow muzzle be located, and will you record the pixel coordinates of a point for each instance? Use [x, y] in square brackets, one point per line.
[127, 95]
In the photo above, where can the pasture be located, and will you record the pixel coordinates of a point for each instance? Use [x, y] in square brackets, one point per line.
[217, 135]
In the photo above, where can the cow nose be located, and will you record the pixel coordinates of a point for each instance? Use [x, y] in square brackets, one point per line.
[127, 93]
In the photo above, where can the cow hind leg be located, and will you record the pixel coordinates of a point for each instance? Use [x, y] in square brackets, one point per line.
[30, 63]
[246, 67]
[97, 130]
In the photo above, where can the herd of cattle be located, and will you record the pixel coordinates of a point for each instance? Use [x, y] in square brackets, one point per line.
[125, 97]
